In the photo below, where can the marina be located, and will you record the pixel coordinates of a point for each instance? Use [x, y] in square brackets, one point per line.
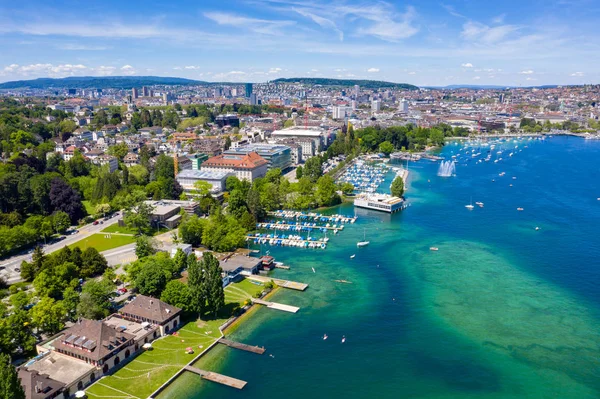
[287, 241]
[287, 214]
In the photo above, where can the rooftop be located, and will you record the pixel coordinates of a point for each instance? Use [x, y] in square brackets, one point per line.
[204, 174]
[92, 339]
[38, 386]
[249, 161]
[61, 368]
[293, 131]
[132, 327]
[150, 308]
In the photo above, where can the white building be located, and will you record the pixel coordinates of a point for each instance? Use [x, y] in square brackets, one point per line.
[403, 106]
[216, 178]
[375, 105]
[341, 112]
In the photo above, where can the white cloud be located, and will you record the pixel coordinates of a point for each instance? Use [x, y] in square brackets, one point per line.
[526, 72]
[128, 70]
[105, 70]
[275, 70]
[36, 70]
[477, 78]
[387, 24]
[478, 32]
[263, 26]
[81, 47]
[530, 78]
[339, 70]
[191, 67]
[578, 74]
[373, 70]
[321, 21]
[467, 65]
[412, 73]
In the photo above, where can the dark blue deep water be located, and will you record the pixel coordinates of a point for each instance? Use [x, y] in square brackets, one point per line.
[501, 310]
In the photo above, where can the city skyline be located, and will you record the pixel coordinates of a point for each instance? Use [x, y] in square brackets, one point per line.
[428, 43]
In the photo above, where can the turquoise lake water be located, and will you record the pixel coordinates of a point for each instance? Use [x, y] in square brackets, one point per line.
[502, 310]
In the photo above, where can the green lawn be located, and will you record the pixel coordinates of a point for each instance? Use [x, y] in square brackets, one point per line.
[151, 369]
[89, 208]
[115, 228]
[101, 243]
[242, 291]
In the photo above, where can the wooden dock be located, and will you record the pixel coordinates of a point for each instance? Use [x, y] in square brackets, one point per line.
[293, 285]
[282, 267]
[244, 347]
[277, 306]
[218, 378]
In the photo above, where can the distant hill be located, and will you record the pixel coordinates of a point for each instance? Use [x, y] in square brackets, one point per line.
[489, 87]
[99, 82]
[367, 84]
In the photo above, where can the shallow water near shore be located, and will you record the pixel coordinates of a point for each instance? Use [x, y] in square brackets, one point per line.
[501, 310]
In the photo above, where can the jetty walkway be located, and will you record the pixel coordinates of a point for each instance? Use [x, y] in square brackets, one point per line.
[244, 347]
[293, 285]
[277, 306]
[218, 378]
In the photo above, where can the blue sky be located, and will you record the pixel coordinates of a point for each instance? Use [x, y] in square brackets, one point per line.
[421, 42]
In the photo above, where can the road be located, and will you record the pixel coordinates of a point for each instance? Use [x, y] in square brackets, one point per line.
[12, 276]
[126, 254]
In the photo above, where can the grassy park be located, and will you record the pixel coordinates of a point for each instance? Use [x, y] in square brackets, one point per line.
[115, 228]
[148, 371]
[102, 243]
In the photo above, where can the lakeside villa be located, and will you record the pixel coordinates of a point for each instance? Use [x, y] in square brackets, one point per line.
[80, 354]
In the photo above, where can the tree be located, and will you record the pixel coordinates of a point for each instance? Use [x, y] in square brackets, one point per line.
[202, 188]
[164, 167]
[10, 384]
[177, 294]
[197, 286]
[151, 280]
[386, 147]
[313, 168]
[119, 150]
[180, 260]
[49, 315]
[397, 188]
[138, 217]
[347, 188]
[227, 143]
[60, 221]
[236, 203]
[299, 172]
[93, 263]
[94, 300]
[64, 198]
[214, 283]
[190, 230]
[144, 247]
[254, 205]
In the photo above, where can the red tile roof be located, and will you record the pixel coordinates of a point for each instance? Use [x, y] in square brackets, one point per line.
[250, 161]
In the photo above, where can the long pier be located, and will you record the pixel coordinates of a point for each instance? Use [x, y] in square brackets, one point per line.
[297, 227]
[218, 378]
[293, 285]
[277, 306]
[244, 347]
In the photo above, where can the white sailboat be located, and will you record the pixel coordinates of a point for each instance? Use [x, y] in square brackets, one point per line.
[364, 242]
[470, 206]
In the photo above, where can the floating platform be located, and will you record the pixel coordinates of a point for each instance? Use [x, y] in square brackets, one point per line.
[284, 267]
[277, 306]
[293, 285]
[218, 378]
[244, 347]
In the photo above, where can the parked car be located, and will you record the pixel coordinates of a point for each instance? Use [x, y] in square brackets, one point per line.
[95, 222]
